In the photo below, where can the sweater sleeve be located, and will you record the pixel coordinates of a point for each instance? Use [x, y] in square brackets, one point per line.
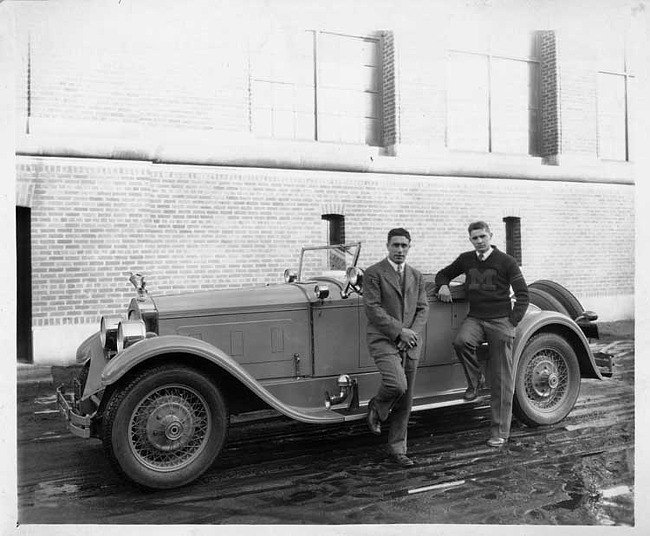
[444, 276]
[520, 289]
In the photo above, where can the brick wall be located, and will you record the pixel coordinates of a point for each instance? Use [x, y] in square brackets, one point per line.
[191, 228]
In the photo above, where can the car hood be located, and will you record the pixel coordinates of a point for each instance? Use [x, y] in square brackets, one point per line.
[263, 298]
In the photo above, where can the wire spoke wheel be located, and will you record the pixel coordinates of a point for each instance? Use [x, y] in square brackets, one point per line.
[170, 427]
[165, 426]
[548, 380]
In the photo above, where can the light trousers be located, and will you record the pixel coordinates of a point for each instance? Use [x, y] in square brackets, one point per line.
[499, 333]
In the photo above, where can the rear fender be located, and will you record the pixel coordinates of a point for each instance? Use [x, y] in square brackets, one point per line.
[538, 321]
[158, 348]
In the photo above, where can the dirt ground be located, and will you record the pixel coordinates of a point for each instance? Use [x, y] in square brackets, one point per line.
[616, 330]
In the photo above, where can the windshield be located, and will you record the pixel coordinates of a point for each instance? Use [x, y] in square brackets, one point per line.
[328, 261]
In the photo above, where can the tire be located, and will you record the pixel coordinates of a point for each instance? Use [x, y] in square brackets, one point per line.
[165, 427]
[547, 382]
[545, 301]
[563, 295]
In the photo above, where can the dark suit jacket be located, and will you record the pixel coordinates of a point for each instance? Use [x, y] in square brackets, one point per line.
[389, 309]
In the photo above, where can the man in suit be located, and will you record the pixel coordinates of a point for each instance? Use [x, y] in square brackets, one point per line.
[397, 310]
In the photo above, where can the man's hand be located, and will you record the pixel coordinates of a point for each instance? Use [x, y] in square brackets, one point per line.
[444, 294]
[407, 339]
[402, 346]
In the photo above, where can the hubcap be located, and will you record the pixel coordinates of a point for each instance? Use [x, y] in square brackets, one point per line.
[170, 427]
[546, 378]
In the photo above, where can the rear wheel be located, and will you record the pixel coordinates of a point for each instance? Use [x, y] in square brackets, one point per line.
[548, 380]
[165, 427]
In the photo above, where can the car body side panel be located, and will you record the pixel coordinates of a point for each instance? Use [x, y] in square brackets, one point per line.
[271, 344]
[440, 332]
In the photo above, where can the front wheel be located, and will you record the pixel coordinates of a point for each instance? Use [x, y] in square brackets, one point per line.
[548, 380]
[165, 427]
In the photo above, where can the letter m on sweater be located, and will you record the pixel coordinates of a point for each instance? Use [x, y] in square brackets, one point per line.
[482, 279]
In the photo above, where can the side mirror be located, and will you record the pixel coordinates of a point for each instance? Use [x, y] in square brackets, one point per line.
[290, 275]
[322, 291]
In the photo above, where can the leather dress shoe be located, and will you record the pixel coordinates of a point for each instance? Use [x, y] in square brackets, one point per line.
[374, 423]
[496, 442]
[471, 393]
[401, 459]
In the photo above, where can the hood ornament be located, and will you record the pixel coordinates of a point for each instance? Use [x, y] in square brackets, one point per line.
[137, 280]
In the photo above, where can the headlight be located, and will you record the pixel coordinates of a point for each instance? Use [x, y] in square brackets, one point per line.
[290, 276]
[129, 332]
[108, 331]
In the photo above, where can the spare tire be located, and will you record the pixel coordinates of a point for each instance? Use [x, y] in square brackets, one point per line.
[545, 301]
[570, 303]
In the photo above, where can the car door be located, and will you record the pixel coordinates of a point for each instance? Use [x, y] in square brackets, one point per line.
[336, 336]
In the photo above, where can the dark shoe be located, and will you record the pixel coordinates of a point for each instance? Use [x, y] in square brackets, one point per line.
[401, 459]
[471, 393]
[373, 419]
[496, 442]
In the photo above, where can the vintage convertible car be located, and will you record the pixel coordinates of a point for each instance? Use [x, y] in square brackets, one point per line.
[159, 385]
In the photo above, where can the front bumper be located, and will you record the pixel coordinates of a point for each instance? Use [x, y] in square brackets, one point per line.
[80, 425]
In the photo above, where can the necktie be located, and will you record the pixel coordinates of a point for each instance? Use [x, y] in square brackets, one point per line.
[400, 273]
[481, 257]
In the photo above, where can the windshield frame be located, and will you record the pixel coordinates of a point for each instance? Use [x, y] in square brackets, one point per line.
[354, 261]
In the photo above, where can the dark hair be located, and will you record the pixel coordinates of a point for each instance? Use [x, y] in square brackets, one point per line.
[399, 231]
[478, 225]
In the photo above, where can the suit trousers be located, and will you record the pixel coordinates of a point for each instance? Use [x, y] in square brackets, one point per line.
[395, 396]
[499, 333]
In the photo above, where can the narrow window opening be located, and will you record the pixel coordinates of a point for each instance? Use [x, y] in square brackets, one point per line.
[335, 237]
[513, 237]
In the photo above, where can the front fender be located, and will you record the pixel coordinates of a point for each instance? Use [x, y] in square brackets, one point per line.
[159, 347]
[536, 320]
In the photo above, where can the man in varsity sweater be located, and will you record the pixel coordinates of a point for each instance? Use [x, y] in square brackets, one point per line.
[489, 274]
